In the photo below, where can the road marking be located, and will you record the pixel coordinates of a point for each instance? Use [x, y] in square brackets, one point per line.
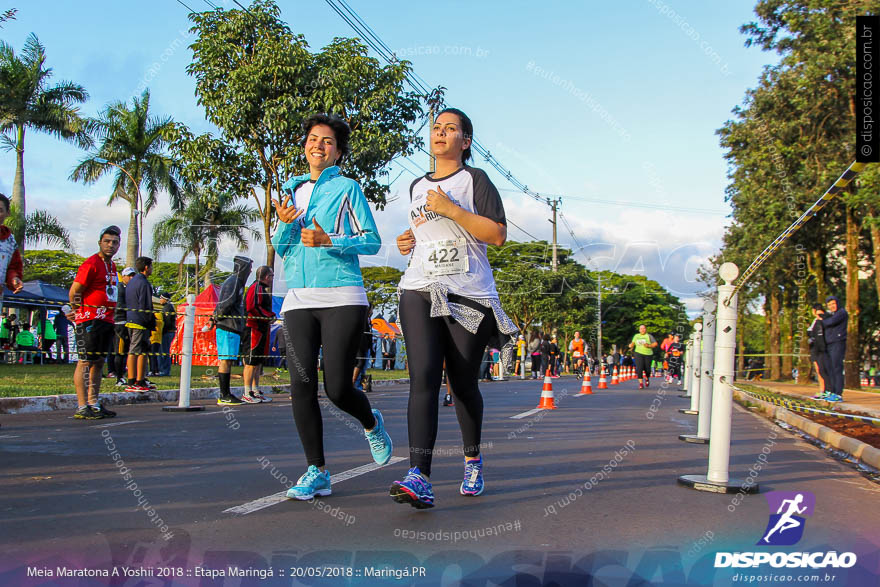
[526, 414]
[10, 436]
[118, 423]
[276, 498]
[206, 413]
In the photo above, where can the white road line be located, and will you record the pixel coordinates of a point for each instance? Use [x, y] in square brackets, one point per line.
[206, 413]
[10, 436]
[526, 414]
[276, 498]
[118, 424]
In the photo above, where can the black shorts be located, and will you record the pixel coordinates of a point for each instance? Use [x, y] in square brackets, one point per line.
[255, 341]
[121, 342]
[93, 339]
[139, 341]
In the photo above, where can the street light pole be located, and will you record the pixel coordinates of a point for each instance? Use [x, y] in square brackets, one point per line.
[138, 210]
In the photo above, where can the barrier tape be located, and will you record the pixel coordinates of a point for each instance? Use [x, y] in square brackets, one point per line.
[153, 311]
[851, 172]
[797, 406]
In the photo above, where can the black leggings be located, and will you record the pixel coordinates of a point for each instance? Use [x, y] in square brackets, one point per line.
[428, 342]
[643, 365]
[339, 330]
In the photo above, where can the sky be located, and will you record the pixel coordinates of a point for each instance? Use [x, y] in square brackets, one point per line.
[612, 106]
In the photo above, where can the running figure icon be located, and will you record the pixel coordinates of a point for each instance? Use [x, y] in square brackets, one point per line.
[786, 521]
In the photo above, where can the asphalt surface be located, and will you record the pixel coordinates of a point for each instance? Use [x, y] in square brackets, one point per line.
[550, 514]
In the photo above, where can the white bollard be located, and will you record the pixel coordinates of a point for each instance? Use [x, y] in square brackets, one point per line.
[694, 384]
[686, 374]
[186, 351]
[707, 362]
[718, 479]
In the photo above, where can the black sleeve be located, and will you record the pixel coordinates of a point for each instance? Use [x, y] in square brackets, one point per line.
[487, 200]
[413, 185]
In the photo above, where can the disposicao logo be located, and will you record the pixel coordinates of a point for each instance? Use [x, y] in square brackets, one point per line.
[788, 512]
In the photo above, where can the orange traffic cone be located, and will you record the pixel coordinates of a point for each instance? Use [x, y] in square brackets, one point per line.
[603, 383]
[627, 374]
[587, 385]
[614, 379]
[864, 381]
[546, 402]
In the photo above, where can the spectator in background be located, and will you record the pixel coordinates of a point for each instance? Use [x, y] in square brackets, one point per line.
[93, 298]
[10, 257]
[258, 306]
[62, 325]
[545, 354]
[156, 343]
[535, 352]
[230, 323]
[25, 342]
[47, 338]
[169, 329]
[835, 322]
[140, 322]
[389, 352]
[363, 356]
[6, 337]
[119, 352]
[554, 358]
[819, 350]
[281, 347]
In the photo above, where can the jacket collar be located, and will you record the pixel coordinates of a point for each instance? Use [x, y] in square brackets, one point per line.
[326, 175]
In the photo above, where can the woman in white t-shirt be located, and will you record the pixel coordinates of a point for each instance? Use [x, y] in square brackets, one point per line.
[449, 307]
[326, 306]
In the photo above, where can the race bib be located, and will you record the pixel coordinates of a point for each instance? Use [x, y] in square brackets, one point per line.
[112, 292]
[446, 257]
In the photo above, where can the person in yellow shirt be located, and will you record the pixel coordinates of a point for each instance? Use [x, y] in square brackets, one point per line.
[156, 342]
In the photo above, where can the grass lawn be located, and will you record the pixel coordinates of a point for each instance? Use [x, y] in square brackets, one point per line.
[26, 380]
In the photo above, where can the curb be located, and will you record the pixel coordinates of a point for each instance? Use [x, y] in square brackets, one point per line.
[48, 403]
[856, 448]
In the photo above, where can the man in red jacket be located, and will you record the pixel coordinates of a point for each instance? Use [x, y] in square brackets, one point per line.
[10, 257]
[258, 306]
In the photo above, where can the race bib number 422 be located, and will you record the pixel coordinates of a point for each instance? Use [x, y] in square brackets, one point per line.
[446, 257]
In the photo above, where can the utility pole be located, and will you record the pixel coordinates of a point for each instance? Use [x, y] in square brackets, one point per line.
[554, 204]
[599, 318]
[431, 161]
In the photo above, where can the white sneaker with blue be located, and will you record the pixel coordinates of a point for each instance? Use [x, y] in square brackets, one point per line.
[312, 483]
[380, 442]
[473, 477]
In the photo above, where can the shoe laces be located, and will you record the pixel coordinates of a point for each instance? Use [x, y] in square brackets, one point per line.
[472, 467]
[413, 477]
[310, 475]
[376, 438]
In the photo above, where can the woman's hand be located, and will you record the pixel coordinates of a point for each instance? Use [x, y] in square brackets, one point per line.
[406, 242]
[439, 203]
[315, 237]
[286, 211]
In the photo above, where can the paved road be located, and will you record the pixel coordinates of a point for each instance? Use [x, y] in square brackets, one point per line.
[550, 514]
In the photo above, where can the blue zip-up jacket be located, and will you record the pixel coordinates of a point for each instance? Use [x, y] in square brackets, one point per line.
[342, 210]
[835, 324]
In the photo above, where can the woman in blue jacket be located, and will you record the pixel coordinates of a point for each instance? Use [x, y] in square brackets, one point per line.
[325, 224]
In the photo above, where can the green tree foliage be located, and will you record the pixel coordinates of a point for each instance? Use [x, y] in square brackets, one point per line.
[40, 227]
[381, 285]
[258, 82]
[29, 102]
[52, 266]
[134, 140]
[205, 221]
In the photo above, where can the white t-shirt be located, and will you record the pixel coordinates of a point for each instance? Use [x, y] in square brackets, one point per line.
[445, 252]
[299, 298]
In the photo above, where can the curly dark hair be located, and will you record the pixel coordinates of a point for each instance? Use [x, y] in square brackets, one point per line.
[341, 131]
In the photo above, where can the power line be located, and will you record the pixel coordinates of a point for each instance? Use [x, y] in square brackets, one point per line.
[631, 204]
[191, 11]
[521, 229]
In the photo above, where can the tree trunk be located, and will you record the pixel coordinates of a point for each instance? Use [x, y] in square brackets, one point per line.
[741, 343]
[18, 199]
[774, 334]
[816, 265]
[785, 337]
[851, 358]
[131, 245]
[198, 289]
[874, 228]
[804, 365]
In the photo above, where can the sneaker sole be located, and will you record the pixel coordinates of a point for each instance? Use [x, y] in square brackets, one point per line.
[401, 494]
[320, 492]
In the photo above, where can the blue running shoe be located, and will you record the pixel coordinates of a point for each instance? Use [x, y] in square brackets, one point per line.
[414, 490]
[312, 483]
[821, 396]
[380, 442]
[833, 397]
[473, 477]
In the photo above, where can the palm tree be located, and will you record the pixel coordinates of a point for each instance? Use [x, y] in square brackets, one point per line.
[28, 102]
[198, 228]
[39, 227]
[133, 145]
